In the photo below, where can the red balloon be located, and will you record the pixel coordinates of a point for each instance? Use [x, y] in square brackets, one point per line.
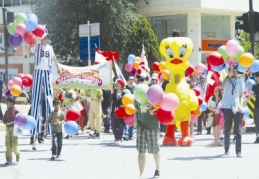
[189, 70]
[215, 59]
[200, 100]
[165, 117]
[29, 38]
[120, 112]
[155, 66]
[27, 80]
[73, 114]
[243, 123]
[39, 31]
[197, 91]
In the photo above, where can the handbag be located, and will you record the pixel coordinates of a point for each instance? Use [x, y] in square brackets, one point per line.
[209, 120]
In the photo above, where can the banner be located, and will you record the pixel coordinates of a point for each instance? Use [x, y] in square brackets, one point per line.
[95, 76]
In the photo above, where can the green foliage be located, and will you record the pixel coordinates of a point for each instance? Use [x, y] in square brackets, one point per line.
[141, 33]
[63, 18]
[246, 44]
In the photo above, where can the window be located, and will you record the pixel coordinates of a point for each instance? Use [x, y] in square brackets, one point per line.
[7, 3]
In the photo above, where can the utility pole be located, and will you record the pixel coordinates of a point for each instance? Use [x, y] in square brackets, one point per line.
[5, 46]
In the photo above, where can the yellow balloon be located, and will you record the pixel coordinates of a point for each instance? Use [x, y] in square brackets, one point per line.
[138, 59]
[136, 65]
[127, 99]
[16, 90]
[162, 66]
[246, 60]
[130, 109]
[166, 74]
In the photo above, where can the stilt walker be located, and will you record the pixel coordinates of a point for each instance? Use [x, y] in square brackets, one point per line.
[44, 58]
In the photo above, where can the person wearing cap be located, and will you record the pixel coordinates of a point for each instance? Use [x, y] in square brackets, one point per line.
[44, 58]
[11, 141]
[232, 105]
[56, 119]
[117, 124]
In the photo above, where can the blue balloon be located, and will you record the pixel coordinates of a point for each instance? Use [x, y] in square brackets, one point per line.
[218, 68]
[203, 106]
[242, 69]
[71, 127]
[131, 59]
[31, 123]
[246, 112]
[32, 22]
[255, 66]
[249, 84]
[125, 91]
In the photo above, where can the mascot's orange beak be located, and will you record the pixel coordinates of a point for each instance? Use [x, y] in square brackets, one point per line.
[176, 61]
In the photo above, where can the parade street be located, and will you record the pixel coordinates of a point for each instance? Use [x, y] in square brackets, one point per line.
[85, 158]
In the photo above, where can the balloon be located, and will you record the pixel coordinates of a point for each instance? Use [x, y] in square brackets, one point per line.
[155, 66]
[127, 99]
[161, 66]
[165, 117]
[20, 18]
[246, 112]
[218, 68]
[130, 109]
[223, 52]
[10, 84]
[128, 67]
[133, 71]
[71, 127]
[155, 94]
[169, 102]
[129, 120]
[194, 118]
[131, 59]
[73, 114]
[8, 94]
[27, 80]
[21, 75]
[125, 91]
[136, 65]
[15, 90]
[197, 91]
[120, 112]
[138, 59]
[215, 59]
[204, 106]
[32, 22]
[255, 66]
[20, 29]
[246, 60]
[140, 93]
[31, 123]
[242, 69]
[189, 70]
[200, 100]
[197, 112]
[15, 40]
[201, 68]
[39, 31]
[17, 81]
[230, 62]
[239, 52]
[11, 28]
[166, 74]
[232, 47]
[249, 84]
[20, 119]
[221, 111]
[29, 38]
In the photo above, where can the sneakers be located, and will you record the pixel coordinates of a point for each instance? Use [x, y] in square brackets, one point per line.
[157, 174]
[97, 136]
[239, 155]
[58, 156]
[8, 162]
[226, 152]
[17, 159]
[53, 157]
[92, 134]
[125, 138]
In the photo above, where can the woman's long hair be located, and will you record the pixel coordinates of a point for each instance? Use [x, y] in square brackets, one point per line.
[220, 94]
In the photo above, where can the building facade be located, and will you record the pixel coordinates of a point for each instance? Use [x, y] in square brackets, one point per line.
[208, 23]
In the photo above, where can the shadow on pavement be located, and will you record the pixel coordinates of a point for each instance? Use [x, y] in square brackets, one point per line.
[47, 159]
[199, 157]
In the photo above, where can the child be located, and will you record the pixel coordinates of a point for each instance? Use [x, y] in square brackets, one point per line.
[56, 119]
[11, 141]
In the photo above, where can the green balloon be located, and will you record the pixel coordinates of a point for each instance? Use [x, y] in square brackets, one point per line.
[140, 93]
[20, 18]
[11, 28]
[239, 52]
[223, 52]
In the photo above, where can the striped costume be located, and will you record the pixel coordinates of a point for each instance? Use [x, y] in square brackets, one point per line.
[42, 83]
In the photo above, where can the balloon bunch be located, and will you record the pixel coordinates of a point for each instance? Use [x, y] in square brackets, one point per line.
[202, 105]
[159, 67]
[72, 115]
[25, 29]
[26, 122]
[232, 54]
[135, 65]
[17, 84]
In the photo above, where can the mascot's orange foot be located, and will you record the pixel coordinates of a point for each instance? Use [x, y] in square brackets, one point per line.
[185, 141]
[169, 141]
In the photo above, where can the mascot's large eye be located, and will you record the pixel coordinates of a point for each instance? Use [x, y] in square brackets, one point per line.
[170, 52]
[182, 51]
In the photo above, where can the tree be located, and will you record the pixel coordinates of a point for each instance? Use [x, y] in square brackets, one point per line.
[63, 18]
[141, 32]
[246, 44]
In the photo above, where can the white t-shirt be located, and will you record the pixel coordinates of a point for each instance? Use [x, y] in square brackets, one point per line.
[202, 89]
[44, 55]
[213, 104]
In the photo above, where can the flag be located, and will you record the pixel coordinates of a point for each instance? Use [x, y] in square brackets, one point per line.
[118, 72]
[143, 56]
[99, 58]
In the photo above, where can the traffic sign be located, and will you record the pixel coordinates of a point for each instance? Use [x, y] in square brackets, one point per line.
[83, 47]
[94, 30]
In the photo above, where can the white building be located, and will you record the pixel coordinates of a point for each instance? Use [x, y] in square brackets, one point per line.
[208, 23]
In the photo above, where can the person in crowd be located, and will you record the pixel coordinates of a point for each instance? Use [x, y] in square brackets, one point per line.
[106, 108]
[56, 119]
[11, 141]
[232, 105]
[162, 126]
[118, 125]
[214, 104]
[2, 86]
[147, 133]
[192, 85]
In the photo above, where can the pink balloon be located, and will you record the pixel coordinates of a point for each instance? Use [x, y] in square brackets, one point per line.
[169, 102]
[230, 62]
[200, 68]
[128, 67]
[129, 120]
[194, 118]
[232, 47]
[10, 84]
[21, 29]
[17, 81]
[155, 94]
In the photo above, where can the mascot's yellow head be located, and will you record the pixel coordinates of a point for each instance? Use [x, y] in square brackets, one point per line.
[176, 51]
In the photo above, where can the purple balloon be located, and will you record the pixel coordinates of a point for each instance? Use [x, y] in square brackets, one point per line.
[221, 111]
[20, 120]
[133, 71]
[155, 94]
[15, 40]
[8, 94]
